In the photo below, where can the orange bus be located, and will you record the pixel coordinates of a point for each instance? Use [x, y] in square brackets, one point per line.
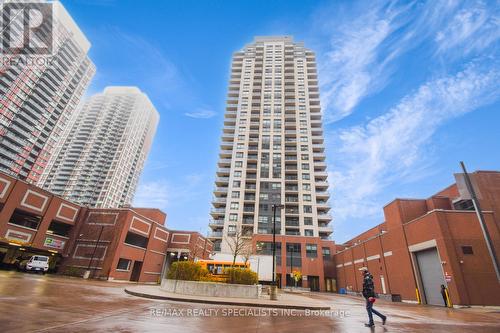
[217, 268]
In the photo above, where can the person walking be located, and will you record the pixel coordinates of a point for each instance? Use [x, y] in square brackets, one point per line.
[369, 295]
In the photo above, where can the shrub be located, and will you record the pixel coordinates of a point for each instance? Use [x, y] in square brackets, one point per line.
[187, 270]
[241, 276]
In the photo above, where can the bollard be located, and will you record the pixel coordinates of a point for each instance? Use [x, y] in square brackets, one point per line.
[273, 293]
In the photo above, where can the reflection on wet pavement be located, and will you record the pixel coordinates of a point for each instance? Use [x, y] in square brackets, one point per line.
[59, 304]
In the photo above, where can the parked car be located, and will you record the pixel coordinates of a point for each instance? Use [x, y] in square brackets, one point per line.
[35, 263]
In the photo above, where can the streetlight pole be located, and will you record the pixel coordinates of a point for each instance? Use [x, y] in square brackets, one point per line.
[274, 292]
[479, 212]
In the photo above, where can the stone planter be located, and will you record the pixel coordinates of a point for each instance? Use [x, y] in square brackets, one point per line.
[212, 289]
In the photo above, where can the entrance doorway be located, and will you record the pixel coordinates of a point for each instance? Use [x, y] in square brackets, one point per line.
[313, 282]
[431, 275]
[136, 271]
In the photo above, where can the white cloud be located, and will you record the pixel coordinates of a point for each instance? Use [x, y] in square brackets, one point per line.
[350, 69]
[201, 113]
[472, 28]
[152, 194]
[391, 147]
[164, 194]
[365, 42]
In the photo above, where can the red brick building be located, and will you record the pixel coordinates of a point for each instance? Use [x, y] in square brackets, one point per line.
[425, 243]
[312, 256]
[116, 244]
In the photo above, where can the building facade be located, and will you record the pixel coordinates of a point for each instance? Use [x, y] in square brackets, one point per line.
[272, 152]
[99, 161]
[38, 98]
[130, 244]
[426, 243]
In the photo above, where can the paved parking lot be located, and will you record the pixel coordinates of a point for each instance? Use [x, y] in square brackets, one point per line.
[49, 303]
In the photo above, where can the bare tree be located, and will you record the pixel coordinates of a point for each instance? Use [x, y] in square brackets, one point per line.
[239, 244]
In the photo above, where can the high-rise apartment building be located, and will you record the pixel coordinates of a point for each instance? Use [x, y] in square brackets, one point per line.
[101, 156]
[272, 149]
[39, 94]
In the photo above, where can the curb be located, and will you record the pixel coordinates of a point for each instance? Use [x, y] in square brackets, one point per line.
[219, 302]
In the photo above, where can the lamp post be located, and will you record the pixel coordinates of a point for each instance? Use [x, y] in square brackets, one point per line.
[274, 293]
[292, 249]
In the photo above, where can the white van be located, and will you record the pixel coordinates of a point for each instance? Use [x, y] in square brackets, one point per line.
[35, 263]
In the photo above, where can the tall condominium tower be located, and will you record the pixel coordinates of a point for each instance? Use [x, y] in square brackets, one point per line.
[100, 159]
[272, 148]
[39, 94]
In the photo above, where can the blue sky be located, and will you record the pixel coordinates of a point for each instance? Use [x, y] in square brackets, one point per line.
[408, 90]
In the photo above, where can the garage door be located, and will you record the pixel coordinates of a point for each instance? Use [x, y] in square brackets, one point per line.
[431, 275]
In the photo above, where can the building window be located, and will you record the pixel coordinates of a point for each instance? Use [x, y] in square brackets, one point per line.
[311, 250]
[307, 209]
[123, 264]
[238, 164]
[233, 217]
[236, 183]
[235, 205]
[326, 252]
[293, 255]
[231, 230]
[237, 174]
[308, 232]
[235, 195]
[25, 219]
[59, 228]
[307, 197]
[266, 248]
[136, 240]
[467, 249]
[308, 221]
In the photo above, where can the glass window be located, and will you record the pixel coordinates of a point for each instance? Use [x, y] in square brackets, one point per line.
[311, 250]
[136, 240]
[59, 228]
[25, 219]
[326, 252]
[123, 264]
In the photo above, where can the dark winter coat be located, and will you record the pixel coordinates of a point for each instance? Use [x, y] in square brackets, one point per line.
[368, 287]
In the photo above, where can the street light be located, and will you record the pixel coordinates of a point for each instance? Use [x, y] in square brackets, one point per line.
[274, 293]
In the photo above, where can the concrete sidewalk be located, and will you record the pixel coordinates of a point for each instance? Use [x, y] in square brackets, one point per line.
[285, 300]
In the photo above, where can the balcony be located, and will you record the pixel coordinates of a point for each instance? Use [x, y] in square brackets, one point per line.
[223, 171]
[221, 180]
[214, 224]
[247, 221]
[220, 189]
[226, 153]
[321, 174]
[325, 217]
[215, 234]
[218, 211]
